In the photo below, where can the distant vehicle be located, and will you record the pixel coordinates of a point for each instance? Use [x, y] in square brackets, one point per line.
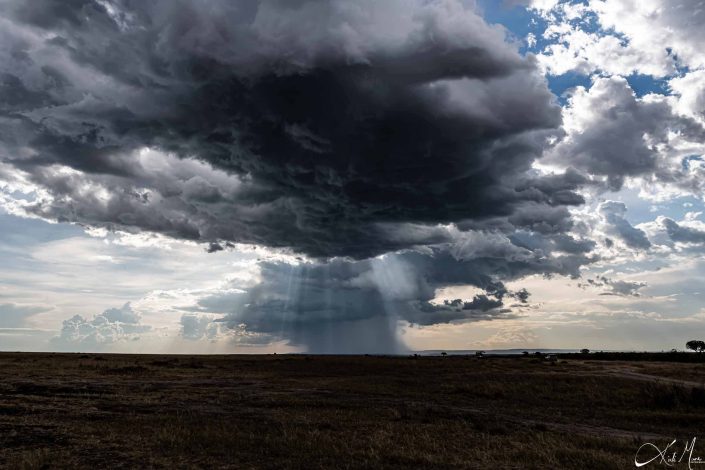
[480, 354]
[552, 358]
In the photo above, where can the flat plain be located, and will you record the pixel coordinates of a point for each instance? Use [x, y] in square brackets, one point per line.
[305, 412]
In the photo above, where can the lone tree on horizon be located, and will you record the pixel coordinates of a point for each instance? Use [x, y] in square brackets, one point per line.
[696, 345]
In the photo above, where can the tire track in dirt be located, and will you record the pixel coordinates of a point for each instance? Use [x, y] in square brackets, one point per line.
[630, 374]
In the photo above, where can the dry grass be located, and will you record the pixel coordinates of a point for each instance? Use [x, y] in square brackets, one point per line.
[99, 411]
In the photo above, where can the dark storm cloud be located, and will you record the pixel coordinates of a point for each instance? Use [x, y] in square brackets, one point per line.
[549, 244]
[341, 130]
[338, 118]
[310, 303]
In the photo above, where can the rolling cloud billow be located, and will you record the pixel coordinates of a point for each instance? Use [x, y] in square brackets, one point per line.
[391, 144]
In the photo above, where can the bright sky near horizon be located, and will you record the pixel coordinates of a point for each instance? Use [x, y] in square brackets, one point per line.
[341, 176]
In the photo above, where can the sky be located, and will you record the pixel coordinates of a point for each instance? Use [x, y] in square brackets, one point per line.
[344, 176]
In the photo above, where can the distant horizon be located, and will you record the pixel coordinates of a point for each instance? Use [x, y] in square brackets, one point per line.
[508, 352]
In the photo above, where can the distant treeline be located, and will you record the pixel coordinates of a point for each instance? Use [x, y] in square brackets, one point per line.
[675, 356]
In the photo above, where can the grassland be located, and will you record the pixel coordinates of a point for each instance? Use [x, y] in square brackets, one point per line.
[124, 411]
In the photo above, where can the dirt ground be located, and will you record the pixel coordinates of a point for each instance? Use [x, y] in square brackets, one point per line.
[281, 411]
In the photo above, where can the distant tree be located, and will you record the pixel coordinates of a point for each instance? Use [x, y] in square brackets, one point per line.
[444, 353]
[696, 345]
[525, 353]
[585, 351]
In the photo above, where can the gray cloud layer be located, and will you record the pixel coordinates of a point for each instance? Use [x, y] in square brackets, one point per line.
[15, 316]
[682, 234]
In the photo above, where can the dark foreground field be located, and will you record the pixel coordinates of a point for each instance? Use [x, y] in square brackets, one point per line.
[100, 411]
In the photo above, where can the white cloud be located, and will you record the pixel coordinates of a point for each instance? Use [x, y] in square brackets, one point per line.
[653, 26]
[112, 326]
[652, 37]
[690, 89]
[613, 134]
[574, 49]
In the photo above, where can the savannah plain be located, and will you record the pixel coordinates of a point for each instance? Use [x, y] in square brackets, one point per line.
[305, 412]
